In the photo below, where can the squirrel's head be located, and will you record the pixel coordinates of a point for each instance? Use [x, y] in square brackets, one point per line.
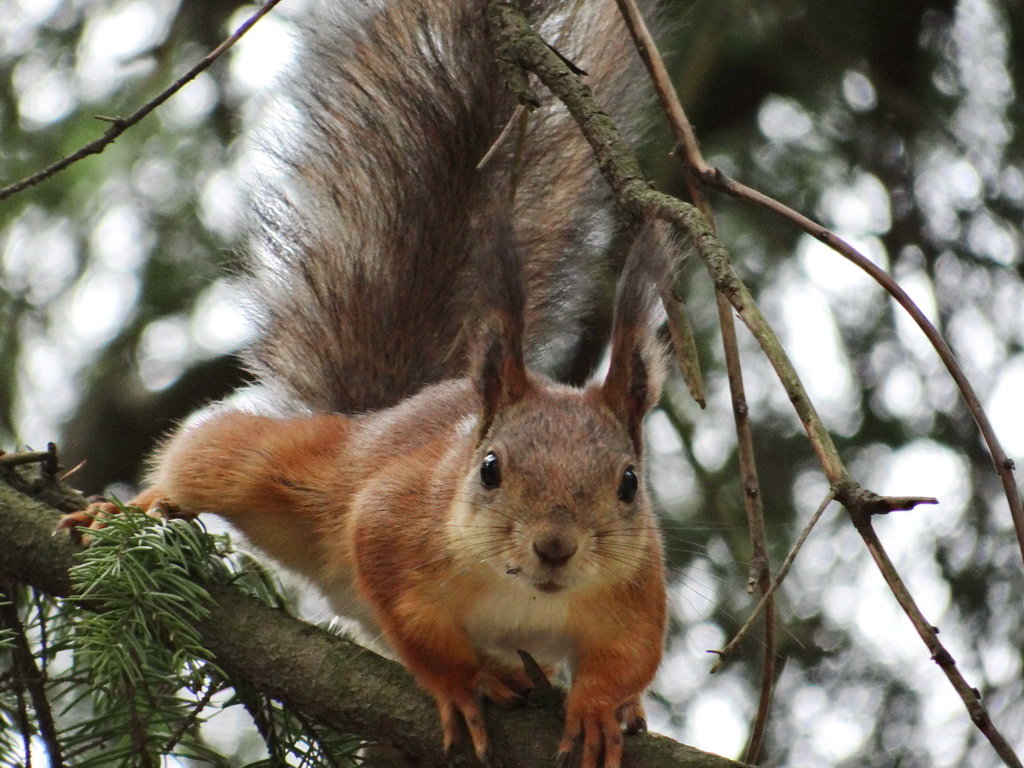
[555, 494]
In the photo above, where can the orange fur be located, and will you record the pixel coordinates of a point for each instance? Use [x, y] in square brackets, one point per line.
[369, 508]
[495, 510]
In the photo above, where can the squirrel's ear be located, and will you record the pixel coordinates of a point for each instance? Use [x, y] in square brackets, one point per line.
[500, 371]
[500, 377]
[637, 368]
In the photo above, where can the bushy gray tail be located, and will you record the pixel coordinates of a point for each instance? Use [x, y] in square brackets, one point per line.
[364, 277]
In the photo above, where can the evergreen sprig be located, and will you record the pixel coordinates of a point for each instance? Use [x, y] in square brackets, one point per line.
[292, 738]
[6, 636]
[141, 583]
[8, 702]
[140, 596]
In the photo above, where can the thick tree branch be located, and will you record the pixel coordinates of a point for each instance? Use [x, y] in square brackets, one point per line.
[326, 676]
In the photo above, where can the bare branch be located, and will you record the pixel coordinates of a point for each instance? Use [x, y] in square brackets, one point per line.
[697, 166]
[862, 506]
[119, 125]
[1004, 466]
[766, 597]
[23, 457]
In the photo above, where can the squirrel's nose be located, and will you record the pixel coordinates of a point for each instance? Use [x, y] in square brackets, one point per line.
[554, 549]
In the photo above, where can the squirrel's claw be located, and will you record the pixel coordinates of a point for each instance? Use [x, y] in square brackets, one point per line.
[95, 516]
[599, 733]
[634, 727]
[632, 716]
[468, 710]
[92, 517]
[73, 520]
[504, 690]
[161, 509]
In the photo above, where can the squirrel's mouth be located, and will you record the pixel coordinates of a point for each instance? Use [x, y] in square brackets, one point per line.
[548, 586]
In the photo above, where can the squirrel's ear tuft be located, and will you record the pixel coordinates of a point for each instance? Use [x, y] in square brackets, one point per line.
[500, 376]
[637, 368]
[500, 369]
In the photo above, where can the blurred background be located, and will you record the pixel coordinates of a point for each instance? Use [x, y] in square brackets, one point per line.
[896, 124]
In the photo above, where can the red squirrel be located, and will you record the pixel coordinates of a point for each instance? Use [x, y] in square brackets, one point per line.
[423, 464]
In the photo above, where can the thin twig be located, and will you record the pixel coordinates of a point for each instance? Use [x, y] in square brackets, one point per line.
[73, 470]
[1003, 464]
[760, 568]
[119, 125]
[681, 331]
[752, 753]
[665, 89]
[517, 114]
[860, 510]
[724, 653]
[192, 718]
[28, 675]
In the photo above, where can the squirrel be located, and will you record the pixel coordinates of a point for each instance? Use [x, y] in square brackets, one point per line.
[434, 457]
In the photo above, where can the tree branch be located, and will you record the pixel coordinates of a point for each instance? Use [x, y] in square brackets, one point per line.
[863, 506]
[700, 172]
[1004, 466]
[119, 125]
[326, 676]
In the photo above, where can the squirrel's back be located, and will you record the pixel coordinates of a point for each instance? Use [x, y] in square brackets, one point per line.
[369, 238]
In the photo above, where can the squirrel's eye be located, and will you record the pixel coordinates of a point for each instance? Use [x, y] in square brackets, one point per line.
[490, 471]
[628, 486]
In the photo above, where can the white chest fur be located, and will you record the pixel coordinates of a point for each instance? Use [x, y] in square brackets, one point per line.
[514, 616]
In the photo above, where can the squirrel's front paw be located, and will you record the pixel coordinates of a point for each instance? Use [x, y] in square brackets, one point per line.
[467, 708]
[597, 730]
[95, 516]
[632, 716]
